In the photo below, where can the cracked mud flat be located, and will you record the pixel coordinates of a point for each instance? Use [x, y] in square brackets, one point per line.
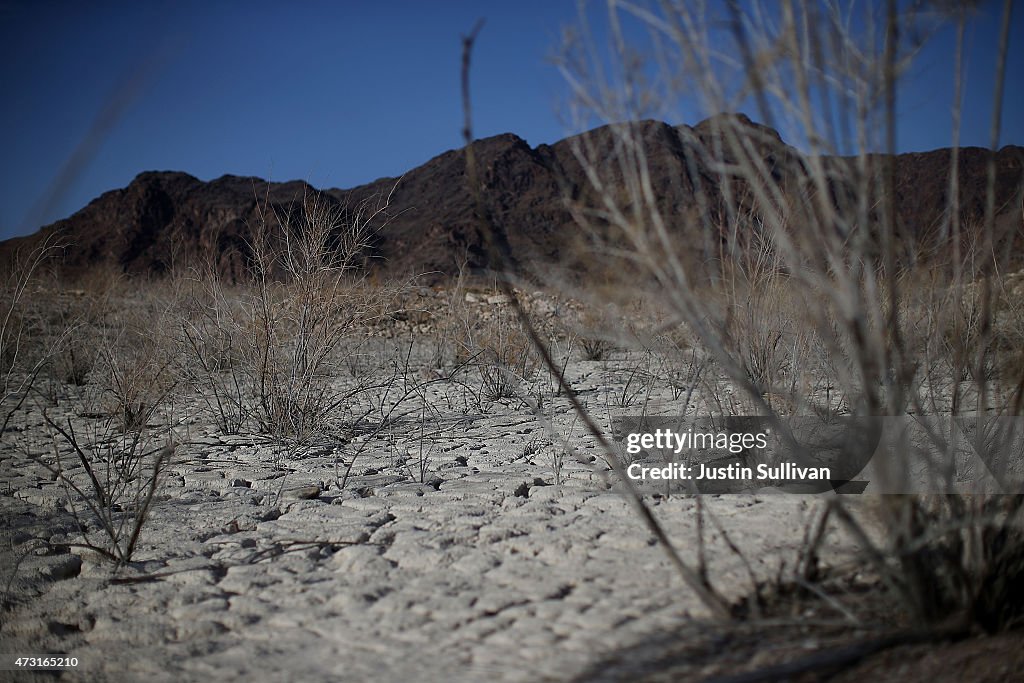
[256, 565]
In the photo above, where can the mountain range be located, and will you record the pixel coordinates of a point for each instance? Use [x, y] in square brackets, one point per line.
[164, 219]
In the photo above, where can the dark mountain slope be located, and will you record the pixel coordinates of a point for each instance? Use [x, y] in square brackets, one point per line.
[170, 219]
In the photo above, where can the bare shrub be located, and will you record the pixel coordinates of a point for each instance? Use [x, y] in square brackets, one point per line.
[500, 351]
[22, 357]
[212, 327]
[74, 362]
[110, 459]
[681, 366]
[84, 312]
[451, 323]
[595, 348]
[271, 350]
[1003, 334]
[764, 330]
[110, 478]
[641, 377]
[136, 364]
[595, 334]
[838, 250]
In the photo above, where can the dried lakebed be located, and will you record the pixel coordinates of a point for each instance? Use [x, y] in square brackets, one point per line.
[256, 565]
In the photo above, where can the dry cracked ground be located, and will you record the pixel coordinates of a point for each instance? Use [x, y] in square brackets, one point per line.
[477, 552]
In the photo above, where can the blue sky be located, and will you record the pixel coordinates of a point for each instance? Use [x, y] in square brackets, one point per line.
[336, 93]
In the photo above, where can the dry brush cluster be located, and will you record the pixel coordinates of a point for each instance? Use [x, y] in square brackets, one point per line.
[796, 280]
[139, 363]
[293, 354]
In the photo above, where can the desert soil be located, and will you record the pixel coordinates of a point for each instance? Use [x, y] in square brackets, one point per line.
[256, 564]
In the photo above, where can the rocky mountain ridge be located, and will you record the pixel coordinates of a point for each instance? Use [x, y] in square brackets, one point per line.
[164, 220]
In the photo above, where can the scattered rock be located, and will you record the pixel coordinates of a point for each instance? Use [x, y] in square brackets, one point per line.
[308, 492]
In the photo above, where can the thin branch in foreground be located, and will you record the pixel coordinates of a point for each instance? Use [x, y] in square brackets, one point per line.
[499, 252]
